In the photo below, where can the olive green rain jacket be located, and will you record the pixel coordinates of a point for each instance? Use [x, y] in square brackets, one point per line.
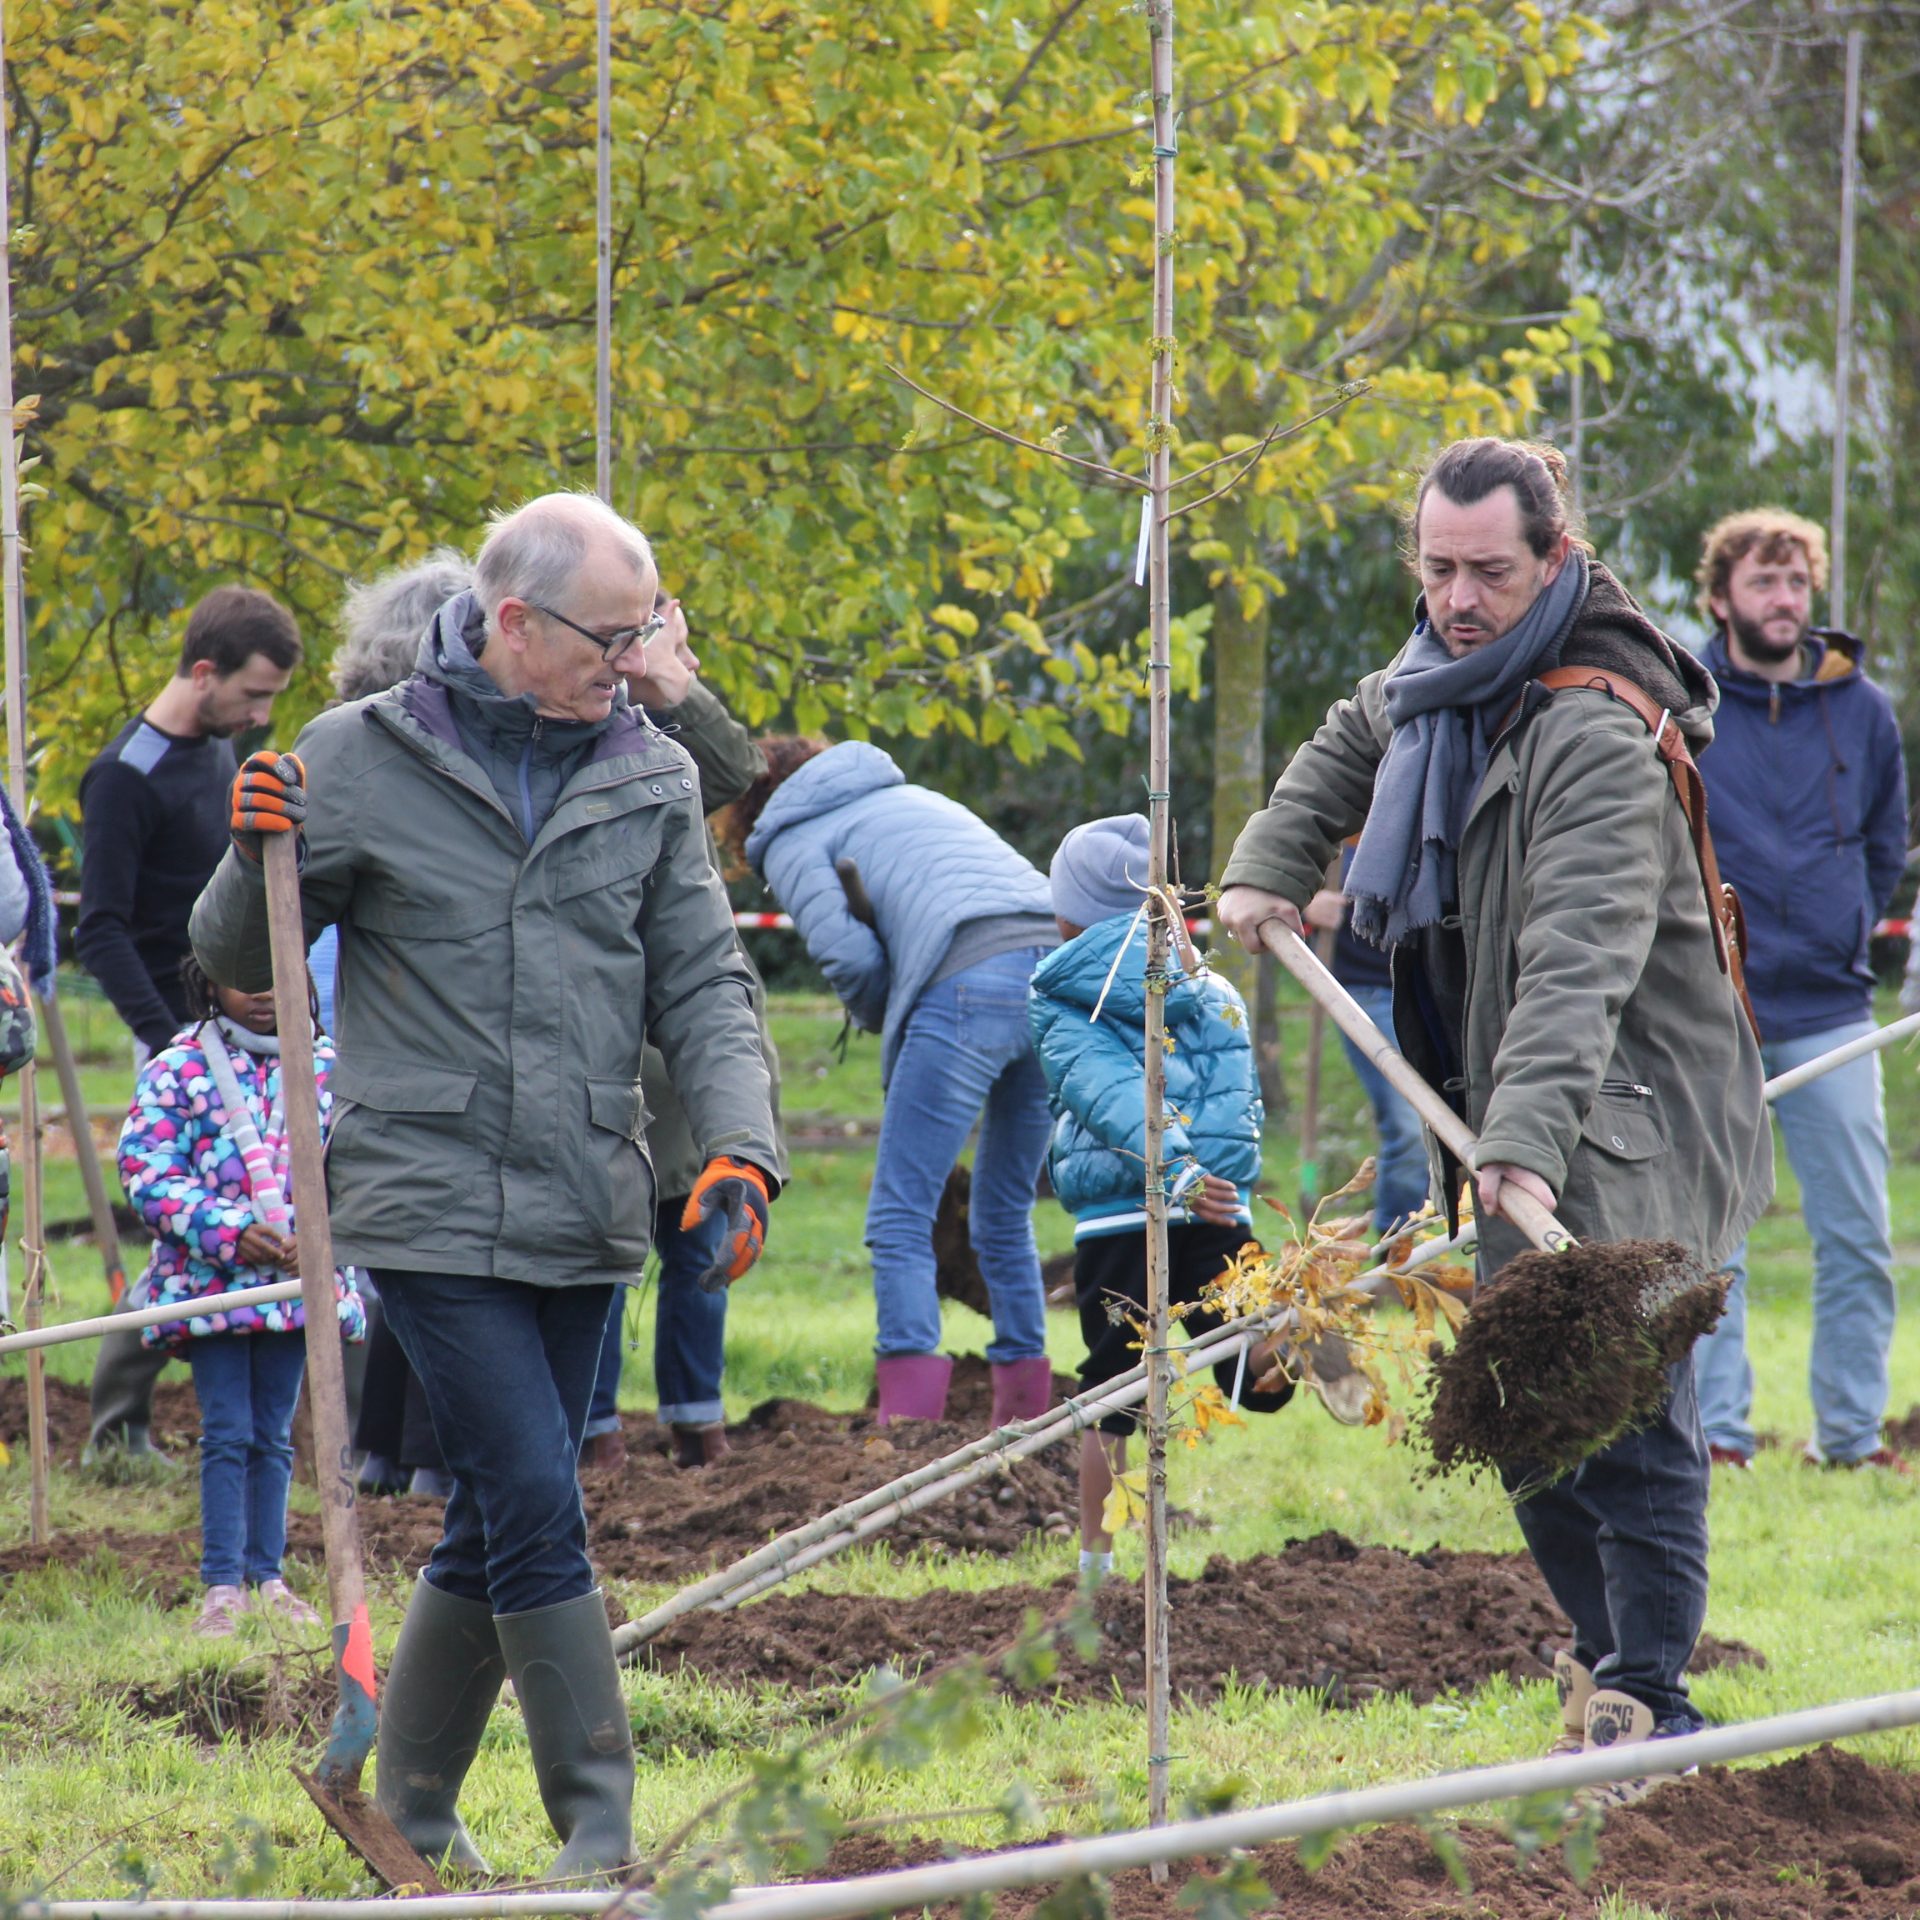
[495, 996]
[1599, 1045]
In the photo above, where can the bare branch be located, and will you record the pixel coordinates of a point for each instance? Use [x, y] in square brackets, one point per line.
[1275, 433]
[1108, 476]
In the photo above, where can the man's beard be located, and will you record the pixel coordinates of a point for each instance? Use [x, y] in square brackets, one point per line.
[1757, 644]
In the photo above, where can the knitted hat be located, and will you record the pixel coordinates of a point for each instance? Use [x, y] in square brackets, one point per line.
[1100, 869]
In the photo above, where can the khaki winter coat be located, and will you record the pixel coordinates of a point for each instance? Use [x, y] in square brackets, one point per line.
[494, 997]
[1603, 1048]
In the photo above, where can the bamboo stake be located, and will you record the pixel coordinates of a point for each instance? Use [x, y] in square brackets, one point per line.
[1159, 927]
[1843, 335]
[106, 1236]
[13, 611]
[94, 1329]
[603, 230]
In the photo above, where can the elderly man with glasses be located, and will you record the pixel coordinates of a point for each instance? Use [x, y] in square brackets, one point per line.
[517, 862]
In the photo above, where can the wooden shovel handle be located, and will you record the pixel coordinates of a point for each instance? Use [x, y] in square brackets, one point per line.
[326, 1378]
[1522, 1209]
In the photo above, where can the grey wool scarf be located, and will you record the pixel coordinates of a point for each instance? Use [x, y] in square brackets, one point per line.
[1444, 712]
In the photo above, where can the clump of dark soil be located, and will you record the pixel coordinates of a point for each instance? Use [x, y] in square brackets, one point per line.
[291, 1693]
[1346, 1621]
[1822, 1836]
[1565, 1352]
[1903, 1435]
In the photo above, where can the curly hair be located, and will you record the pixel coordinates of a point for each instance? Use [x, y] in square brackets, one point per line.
[1770, 532]
[785, 754]
[381, 621]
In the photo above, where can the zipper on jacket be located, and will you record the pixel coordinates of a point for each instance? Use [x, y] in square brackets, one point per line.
[526, 781]
[1626, 1089]
[1773, 705]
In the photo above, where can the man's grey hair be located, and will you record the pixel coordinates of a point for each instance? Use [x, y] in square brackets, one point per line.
[382, 620]
[534, 552]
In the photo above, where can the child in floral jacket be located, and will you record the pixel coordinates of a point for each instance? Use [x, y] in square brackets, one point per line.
[203, 1156]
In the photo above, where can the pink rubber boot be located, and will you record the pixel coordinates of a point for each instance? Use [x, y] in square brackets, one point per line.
[1022, 1389]
[913, 1386]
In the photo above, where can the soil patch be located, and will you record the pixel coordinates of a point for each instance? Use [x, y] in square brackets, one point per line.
[1346, 1621]
[1903, 1435]
[176, 1417]
[1819, 1837]
[290, 1693]
[654, 1521]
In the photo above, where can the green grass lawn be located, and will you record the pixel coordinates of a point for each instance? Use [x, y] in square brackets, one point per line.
[1814, 1569]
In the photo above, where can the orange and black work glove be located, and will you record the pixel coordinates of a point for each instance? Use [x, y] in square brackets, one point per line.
[269, 796]
[728, 1208]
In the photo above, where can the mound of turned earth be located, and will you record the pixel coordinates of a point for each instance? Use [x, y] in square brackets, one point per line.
[1346, 1621]
[1903, 1435]
[651, 1520]
[1822, 1836]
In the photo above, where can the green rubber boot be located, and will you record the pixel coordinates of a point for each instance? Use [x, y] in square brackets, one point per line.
[446, 1674]
[568, 1683]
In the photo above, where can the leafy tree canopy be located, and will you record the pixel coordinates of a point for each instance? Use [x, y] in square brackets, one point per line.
[304, 290]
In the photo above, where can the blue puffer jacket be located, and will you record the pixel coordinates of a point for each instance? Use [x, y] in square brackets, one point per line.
[1096, 1079]
[1807, 798]
[929, 866]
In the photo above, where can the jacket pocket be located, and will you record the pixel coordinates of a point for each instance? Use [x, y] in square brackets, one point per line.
[1621, 1123]
[618, 1187]
[401, 1153]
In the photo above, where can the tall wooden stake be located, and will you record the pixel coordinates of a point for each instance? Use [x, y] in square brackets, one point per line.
[603, 289]
[1843, 336]
[1159, 932]
[13, 605]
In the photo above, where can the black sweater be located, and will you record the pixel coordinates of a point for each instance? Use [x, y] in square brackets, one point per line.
[155, 815]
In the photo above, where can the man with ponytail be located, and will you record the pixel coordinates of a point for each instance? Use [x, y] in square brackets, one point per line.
[1558, 977]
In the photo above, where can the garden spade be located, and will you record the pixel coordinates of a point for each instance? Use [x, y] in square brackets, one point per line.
[334, 1785]
[1565, 1348]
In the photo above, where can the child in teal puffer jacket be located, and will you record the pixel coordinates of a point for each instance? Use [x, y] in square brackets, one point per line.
[1096, 1083]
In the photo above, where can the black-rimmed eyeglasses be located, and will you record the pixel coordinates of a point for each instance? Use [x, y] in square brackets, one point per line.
[611, 645]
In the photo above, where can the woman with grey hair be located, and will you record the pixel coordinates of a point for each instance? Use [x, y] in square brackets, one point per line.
[381, 621]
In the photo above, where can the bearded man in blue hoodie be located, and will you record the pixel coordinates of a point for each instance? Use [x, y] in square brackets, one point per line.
[1808, 795]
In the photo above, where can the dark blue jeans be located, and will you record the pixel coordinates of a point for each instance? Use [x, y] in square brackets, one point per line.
[1622, 1545]
[689, 1332]
[507, 1370]
[248, 1385]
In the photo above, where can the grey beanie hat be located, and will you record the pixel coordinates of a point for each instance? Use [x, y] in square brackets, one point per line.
[1100, 869]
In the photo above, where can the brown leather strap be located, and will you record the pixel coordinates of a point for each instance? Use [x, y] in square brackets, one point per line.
[1723, 904]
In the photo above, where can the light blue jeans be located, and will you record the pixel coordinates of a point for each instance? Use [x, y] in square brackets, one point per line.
[1400, 1173]
[967, 1053]
[1835, 1130]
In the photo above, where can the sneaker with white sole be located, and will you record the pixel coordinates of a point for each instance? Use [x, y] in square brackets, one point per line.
[220, 1611]
[279, 1598]
[1575, 1685]
[1616, 1719]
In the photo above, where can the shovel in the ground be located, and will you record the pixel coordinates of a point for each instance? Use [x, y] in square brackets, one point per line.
[1566, 1348]
[334, 1785]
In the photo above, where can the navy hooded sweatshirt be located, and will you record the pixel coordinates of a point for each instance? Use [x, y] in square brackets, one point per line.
[1807, 799]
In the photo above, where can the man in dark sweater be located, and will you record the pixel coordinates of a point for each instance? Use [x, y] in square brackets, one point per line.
[154, 812]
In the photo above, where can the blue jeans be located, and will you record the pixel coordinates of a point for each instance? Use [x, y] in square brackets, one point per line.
[1400, 1174]
[689, 1333]
[248, 1385]
[967, 1052]
[507, 1370]
[1836, 1134]
[1622, 1545]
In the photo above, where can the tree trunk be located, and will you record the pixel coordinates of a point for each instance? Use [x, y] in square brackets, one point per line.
[1239, 650]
